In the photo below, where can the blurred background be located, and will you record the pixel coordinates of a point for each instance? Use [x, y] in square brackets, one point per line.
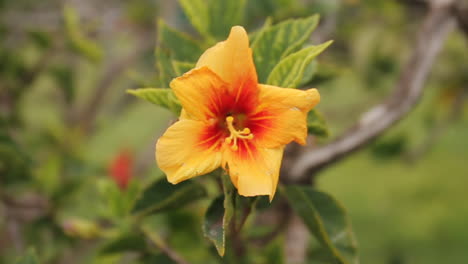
[74, 144]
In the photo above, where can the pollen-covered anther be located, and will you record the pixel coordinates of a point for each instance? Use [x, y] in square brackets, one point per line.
[235, 134]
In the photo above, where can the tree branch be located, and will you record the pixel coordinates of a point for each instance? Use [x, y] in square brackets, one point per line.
[296, 240]
[461, 12]
[407, 92]
[159, 243]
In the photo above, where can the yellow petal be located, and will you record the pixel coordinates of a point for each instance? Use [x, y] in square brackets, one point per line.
[199, 92]
[305, 100]
[184, 115]
[231, 59]
[187, 149]
[254, 171]
[282, 115]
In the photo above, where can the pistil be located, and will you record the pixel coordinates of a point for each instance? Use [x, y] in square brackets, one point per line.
[235, 134]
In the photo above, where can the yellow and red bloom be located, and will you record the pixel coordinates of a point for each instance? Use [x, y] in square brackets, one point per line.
[230, 120]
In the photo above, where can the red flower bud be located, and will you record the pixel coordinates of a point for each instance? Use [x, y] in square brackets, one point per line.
[121, 168]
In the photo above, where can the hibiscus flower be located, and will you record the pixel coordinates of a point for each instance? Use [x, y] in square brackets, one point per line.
[229, 120]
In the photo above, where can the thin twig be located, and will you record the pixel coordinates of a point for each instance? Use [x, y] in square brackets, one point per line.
[461, 12]
[159, 243]
[297, 238]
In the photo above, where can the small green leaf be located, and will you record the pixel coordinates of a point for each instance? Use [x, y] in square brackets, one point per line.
[390, 147]
[29, 258]
[164, 66]
[274, 252]
[316, 124]
[218, 216]
[255, 35]
[41, 38]
[224, 15]
[173, 45]
[65, 80]
[77, 38]
[163, 97]
[182, 47]
[309, 73]
[243, 207]
[48, 174]
[279, 41]
[182, 67]
[15, 164]
[229, 196]
[290, 70]
[157, 259]
[213, 18]
[162, 196]
[197, 12]
[328, 222]
[131, 241]
[158, 242]
[213, 226]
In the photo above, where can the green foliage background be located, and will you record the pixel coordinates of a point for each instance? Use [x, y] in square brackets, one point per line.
[404, 194]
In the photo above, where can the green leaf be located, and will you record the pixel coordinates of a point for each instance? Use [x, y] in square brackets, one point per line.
[253, 37]
[181, 46]
[77, 38]
[163, 97]
[328, 222]
[164, 66]
[158, 242]
[48, 174]
[15, 164]
[197, 12]
[131, 241]
[213, 226]
[214, 18]
[390, 147]
[229, 196]
[42, 39]
[309, 73]
[173, 45]
[316, 124]
[279, 41]
[274, 252]
[182, 67]
[243, 207]
[157, 259]
[162, 196]
[65, 80]
[290, 71]
[29, 258]
[119, 202]
[224, 15]
[218, 216]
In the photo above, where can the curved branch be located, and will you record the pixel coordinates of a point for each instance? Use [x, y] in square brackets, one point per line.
[407, 92]
[461, 11]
